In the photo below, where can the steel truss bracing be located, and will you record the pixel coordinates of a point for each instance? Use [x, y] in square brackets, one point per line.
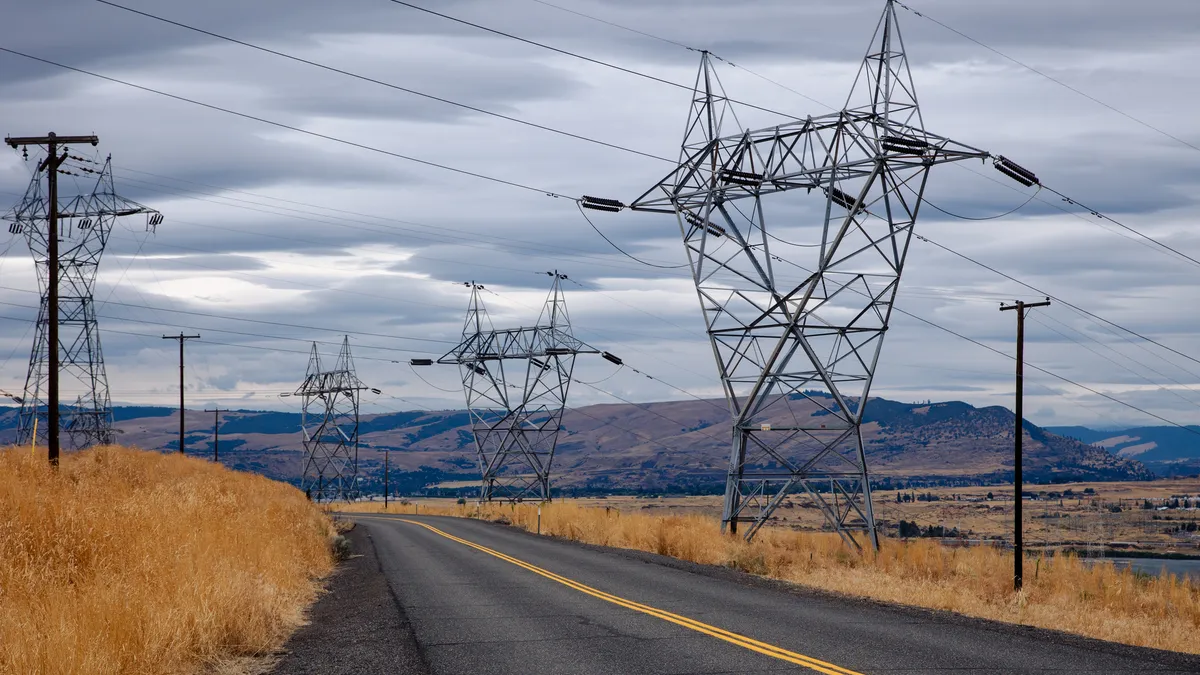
[797, 347]
[329, 420]
[85, 223]
[516, 384]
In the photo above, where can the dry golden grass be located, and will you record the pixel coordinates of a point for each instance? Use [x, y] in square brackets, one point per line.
[431, 506]
[1060, 593]
[126, 561]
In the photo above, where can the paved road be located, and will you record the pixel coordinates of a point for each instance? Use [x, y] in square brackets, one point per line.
[487, 599]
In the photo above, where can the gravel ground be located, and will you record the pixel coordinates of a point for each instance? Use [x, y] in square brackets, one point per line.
[357, 627]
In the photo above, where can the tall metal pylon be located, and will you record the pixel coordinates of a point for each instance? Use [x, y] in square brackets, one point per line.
[85, 223]
[783, 333]
[516, 425]
[329, 422]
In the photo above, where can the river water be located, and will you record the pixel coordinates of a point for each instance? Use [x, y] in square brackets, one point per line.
[1181, 568]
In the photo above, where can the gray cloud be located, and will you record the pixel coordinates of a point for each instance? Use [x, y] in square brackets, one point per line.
[335, 239]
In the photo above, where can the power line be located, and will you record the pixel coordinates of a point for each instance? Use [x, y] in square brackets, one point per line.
[614, 25]
[1039, 291]
[669, 41]
[1052, 78]
[621, 250]
[997, 351]
[389, 85]
[263, 120]
[468, 239]
[249, 334]
[212, 342]
[694, 396]
[1050, 373]
[1118, 223]
[289, 127]
[581, 57]
[1115, 362]
[940, 327]
[463, 171]
[995, 217]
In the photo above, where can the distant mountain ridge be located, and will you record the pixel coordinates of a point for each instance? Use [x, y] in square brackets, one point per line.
[623, 447]
[1167, 451]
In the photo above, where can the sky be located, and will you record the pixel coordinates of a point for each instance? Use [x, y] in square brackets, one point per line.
[273, 238]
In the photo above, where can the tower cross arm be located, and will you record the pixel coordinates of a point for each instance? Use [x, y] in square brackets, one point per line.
[817, 153]
[515, 343]
[18, 141]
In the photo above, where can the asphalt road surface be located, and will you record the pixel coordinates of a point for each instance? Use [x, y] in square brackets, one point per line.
[482, 598]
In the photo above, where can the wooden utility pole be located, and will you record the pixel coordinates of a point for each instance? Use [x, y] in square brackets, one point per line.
[182, 338]
[1018, 480]
[50, 165]
[216, 411]
[385, 479]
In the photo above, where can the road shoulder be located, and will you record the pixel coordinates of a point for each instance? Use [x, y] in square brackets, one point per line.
[357, 626]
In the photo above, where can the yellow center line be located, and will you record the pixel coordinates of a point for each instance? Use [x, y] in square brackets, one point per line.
[700, 627]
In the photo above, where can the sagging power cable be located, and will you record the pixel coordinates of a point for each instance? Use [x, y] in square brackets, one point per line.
[396, 87]
[288, 127]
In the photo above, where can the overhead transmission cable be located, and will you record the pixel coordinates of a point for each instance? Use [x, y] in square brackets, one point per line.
[977, 218]
[1050, 373]
[1118, 223]
[1042, 292]
[1053, 79]
[581, 57]
[613, 24]
[690, 48]
[382, 83]
[448, 391]
[592, 140]
[289, 127]
[1117, 363]
[466, 239]
[147, 322]
[1009, 356]
[427, 162]
[621, 250]
[1023, 65]
[435, 234]
[204, 340]
[943, 328]
[280, 324]
[398, 155]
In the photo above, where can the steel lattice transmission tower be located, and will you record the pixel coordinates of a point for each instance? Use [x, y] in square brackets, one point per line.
[85, 223]
[516, 382]
[329, 421]
[783, 333]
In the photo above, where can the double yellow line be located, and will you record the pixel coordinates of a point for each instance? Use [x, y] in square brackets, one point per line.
[713, 631]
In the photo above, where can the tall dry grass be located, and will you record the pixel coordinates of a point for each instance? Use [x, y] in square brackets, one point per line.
[1061, 593]
[126, 561]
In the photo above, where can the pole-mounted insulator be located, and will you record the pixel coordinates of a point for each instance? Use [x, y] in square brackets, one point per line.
[601, 204]
[712, 228]
[1016, 171]
[904, 146]
[843, 200]
[745, 178]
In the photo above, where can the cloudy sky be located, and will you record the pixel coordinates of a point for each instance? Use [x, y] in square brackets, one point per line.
[274, 238]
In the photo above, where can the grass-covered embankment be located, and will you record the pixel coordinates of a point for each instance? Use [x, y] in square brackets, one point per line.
[125, 561]
[1061, 593]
